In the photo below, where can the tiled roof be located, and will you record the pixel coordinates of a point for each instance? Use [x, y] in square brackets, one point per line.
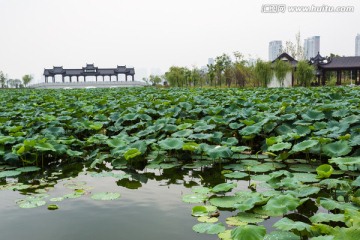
[343, 62]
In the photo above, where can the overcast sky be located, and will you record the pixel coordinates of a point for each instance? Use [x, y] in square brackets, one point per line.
[152, 35]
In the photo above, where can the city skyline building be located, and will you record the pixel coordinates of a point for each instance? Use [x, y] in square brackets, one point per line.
[311, 46]
[357, 45]
[275, 48]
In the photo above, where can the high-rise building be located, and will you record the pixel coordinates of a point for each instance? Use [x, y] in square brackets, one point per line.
[275, 48]
[311, 47]
[357, 45]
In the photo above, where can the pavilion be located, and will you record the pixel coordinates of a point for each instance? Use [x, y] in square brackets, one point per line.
[324, 65]
[89, 70]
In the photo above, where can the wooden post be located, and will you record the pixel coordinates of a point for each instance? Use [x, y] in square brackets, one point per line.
[323, 78]
[338, 76]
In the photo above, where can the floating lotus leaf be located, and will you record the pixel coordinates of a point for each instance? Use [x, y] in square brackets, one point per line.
[236, 175]
[287, 224]
[306, 177]
[313, 115]
[261, 178]
[171, 144]
[244, 218]
[226, 235]
[279, 205]
[249, 203]
[326, 217]
[224, 187]
[53, 207]
[201, 190]
[58, 199]
[248, 232]
[266, 167]
[302, 168]
[279, 147]
[304, 145]
[198, 211]
[347, 161]
[105, 196]
[31, 202]
[194, 198]
[182, 134]
[209, 228]
[280, 235]
[225, 202]
[304, 191]
[11, 173]
[337, 149]
[324, 170]
[206, 219]
[75, 184]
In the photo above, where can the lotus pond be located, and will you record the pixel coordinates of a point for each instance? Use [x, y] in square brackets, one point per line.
[135, 163]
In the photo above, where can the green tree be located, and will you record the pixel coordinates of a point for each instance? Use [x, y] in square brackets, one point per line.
[221, 63]
[211, 74]
[27, 79]
[281, 68]
[2, 79]
[296, 50]
[263, 73]
[175, 76]
[154, 79]
[304, 73]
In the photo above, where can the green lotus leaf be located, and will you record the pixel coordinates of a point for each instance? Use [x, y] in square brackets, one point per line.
[356, 182]
[230, 141]
[326, 217]
[250, 202]
[57, 199]
[31, 203]
[201, 190]
[225, 202]
[250, 130]
[204, 127]
[53, 207]
[302, 168]
[279, 147]
[351, 233]
[272, 140]
[287, 224]
[171, 143]
[304, 191]
[351, 119]
[337, 149]
[201, 136]
[236, 175]
[72, 153]
[335, 183]
[206, 219]
[324, 170]
[7, 140]
[355, 141]
[198, 211]
[190, 146]
[248, 232]
[209, 228]
[11, 173]
[280, 235]
[105, 196]
[306, 177]
[266, 167]
[313, 115]
[235, 125]
[224, 187]
[55, 131]
[28, 169]
[279, 205]
[304, 145]
[116, 142]
[219, 152]
[239, 148]
[347, 161]
[131, 153]
[325, 237]
[184, 126]
[182, 134]
[96, 126]
[244, 218]
[194, 198]
[44, 147]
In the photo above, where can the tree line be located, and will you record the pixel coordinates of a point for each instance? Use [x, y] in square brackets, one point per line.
[235, 71]
[6, 82]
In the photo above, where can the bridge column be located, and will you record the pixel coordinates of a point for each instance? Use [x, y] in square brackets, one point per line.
[117, 77]
[132, 76]
[77, 78]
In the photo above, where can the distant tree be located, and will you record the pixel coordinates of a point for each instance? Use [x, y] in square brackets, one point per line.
[2, 79]
[296, 50]
[304, 73]
[27, 79]
[211, 73]
[281, 68]
[263, 72]
[241, 70]
[10, 83]
[175, 76]
[221, 63]
[154, 79]
[146, 80]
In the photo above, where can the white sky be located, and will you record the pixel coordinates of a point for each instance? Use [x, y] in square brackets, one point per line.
[153, 35]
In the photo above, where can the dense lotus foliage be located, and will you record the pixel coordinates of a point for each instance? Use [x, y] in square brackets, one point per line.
[297, 149]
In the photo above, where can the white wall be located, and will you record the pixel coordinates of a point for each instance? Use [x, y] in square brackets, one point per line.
[275, 83]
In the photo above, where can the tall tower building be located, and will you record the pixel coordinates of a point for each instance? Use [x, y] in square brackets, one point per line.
[275, 48]
[357, 45]
[311, 47]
